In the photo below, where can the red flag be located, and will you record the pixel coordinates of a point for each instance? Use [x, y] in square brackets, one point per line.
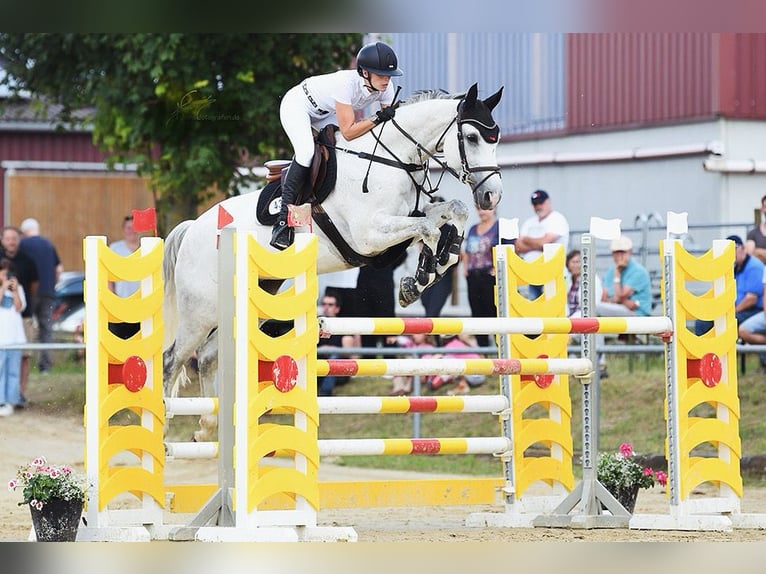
[145, 220]
[224, 217]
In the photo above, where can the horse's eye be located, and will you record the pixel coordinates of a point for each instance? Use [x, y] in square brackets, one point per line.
[472, 138]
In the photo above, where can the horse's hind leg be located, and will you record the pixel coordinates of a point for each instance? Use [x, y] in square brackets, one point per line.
[207, 359]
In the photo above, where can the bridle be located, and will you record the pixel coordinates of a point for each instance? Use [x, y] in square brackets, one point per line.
[466, 173]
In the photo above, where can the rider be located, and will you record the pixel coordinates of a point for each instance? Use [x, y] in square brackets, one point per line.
[332, 98]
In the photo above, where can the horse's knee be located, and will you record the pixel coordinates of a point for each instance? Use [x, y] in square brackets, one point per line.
[207, 426]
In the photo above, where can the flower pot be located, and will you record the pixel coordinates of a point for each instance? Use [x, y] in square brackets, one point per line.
[627, 497]
[57, 521]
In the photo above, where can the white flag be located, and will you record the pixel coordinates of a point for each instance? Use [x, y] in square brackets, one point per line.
[677, 223]
[605, 228]
[508, 228]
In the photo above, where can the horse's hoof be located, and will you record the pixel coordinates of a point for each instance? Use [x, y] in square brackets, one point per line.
[408, 291]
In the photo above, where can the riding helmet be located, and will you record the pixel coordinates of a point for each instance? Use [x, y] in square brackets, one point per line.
[378, 58]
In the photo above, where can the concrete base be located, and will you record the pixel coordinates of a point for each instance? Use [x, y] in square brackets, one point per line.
[276, 534]
[113, 534]
[697, 522]
[581, 521]
[500, 520]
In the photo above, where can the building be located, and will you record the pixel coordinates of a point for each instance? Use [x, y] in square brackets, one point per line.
[59, 177]
[615, 125]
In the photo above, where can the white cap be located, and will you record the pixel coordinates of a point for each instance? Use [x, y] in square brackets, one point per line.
[29, 224]
[622, 243]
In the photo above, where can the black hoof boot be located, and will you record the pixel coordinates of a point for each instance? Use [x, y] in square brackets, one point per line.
[282, 236]
[408, 291]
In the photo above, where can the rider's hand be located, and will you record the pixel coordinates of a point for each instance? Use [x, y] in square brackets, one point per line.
[385, 114]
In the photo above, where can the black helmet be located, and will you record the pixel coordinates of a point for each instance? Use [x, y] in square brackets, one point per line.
[378, 58]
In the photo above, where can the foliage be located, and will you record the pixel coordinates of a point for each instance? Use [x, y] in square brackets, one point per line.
[620, 471]
[41, 482]
[188, 109]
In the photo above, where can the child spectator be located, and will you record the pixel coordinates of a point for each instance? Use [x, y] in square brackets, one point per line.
[11, 333]
[463, 383]
[403, 383]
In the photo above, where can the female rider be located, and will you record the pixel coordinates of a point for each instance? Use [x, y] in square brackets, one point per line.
[332, 98]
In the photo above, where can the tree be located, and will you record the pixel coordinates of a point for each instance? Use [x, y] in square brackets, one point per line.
[188, 109]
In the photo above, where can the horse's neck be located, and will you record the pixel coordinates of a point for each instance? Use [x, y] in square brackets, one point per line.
[424, 123]
[427, 122]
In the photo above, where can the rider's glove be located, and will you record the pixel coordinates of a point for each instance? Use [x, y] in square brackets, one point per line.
[384, 114]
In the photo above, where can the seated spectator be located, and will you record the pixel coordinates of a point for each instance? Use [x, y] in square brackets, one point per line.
[627, 287]
[573, 276]
[463, 383]
[331, 307]
[403, 383]
[748, 279]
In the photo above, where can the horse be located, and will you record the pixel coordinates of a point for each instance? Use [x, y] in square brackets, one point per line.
[375, 204]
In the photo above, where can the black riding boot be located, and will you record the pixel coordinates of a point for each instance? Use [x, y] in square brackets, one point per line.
[282, 234]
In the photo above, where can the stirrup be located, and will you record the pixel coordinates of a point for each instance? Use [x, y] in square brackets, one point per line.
[282, 236]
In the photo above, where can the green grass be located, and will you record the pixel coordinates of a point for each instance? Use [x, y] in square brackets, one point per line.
[631, 410]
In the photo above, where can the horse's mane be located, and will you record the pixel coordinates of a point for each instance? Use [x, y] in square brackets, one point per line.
[432, 94]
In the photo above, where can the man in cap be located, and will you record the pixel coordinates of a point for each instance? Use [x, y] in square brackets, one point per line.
[546, 226]
[627, 286]
[748, 280]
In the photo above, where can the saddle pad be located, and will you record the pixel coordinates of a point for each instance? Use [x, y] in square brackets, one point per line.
[269, 202]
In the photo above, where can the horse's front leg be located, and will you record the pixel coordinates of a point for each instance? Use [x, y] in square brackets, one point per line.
[450, 217]
[435, 261]
[378, 234]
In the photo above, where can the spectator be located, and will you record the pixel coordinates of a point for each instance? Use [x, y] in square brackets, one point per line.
[748, 280]
[49, 268]
[331, 307]
[574, 305]
[342, 284]
[375, 296]
[479, 267]
[546, 226]
[11, 332]
[26, 272]
[756, 238]
[573, 275]
[403, 383]
[753, 330]
[129, 243]
[627, 287]
[463, 383]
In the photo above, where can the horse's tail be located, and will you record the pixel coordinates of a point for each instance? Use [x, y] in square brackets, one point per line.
[169, 307]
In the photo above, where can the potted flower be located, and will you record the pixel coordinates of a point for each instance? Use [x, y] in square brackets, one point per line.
[622, 475]
[55, 495]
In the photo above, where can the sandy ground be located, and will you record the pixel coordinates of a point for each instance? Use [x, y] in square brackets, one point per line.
[27, 434]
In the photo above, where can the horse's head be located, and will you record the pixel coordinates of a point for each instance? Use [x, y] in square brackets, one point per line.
[473, 152]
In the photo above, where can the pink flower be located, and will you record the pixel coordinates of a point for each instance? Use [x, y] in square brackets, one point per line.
[39, 461]
[53, 473]
[648, 471]
[661, 477]
[11, 485]
[626, 449]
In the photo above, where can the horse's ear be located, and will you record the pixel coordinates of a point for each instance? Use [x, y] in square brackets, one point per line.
[470, 96]
[493, 100]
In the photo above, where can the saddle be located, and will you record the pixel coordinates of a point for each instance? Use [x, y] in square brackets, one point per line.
[323, 176]
[324, 171]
